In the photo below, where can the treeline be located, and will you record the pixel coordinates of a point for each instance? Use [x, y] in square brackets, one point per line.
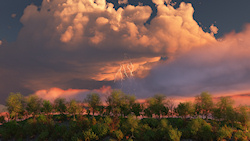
[117, 118]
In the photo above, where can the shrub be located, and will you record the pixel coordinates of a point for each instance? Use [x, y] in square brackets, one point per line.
[152, 122]
[100, 129]
[43, 136]
[42, 119]
[93, 122]
[89, 135]
[107, 120]
[167, 132]
[118, 134]
[174, 134]
[10, 129]
[145, 132]
[239, 135]
[206, 133]
[75, 137]
[199, 129]
[58, 131]
[224, 133]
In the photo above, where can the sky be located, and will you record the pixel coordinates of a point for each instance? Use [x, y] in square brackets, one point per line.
[69, 48]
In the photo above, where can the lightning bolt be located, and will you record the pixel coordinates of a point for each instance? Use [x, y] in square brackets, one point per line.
[125, 71]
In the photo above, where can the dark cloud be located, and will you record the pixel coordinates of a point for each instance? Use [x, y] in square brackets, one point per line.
[219, 68]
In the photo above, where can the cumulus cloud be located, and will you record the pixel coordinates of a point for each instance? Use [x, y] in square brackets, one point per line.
[213, 29]
[122, 1]
[221, 67]
[66, 42]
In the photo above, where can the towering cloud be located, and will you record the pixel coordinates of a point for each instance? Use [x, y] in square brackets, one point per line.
[81, 43]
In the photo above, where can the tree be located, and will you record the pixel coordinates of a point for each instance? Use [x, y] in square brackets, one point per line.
[15, 104]
[204, 104]
[114, 101]
[33, 105]
[73, 107]
[185, 109]
[47, 107]
[243, 115]
[127, 101]
[93, 100]
[132, 123]
[60, 105]
[156, 104]
[171, 106]
[224, 108]
[136, 109]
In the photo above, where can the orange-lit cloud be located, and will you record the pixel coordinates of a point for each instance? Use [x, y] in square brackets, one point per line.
[81, 44]
[220, 67]
[77, 94]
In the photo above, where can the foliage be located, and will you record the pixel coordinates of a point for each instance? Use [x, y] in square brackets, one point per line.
[60, 105]
[118, 135]
[73, 107]
[100, 129]
[204, 104]
[33, 105]
[93, 100]
[156, 105]
[200, 129]
[136, 109]
[46, 107]
[239, 135]
[121, 122]
[185, 109]
[43, 136]
[89, 135]
[15, 104]
[224, 132]
[10, 129]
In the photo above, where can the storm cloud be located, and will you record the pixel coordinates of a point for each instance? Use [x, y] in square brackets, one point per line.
[81, 44]
[221, 68]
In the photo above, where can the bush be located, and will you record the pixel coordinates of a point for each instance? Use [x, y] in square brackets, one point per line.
[167, 132]
[198, 129]
[145, 132]
[118, 135]
[9, 129]
[239, 135]
[224, 133]
[100, 129]
[42, 119]
[107, 120]
[174, 134]
[152, 122]
[58, 131]
[43, 136]
[89, 135]
[206, 133]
